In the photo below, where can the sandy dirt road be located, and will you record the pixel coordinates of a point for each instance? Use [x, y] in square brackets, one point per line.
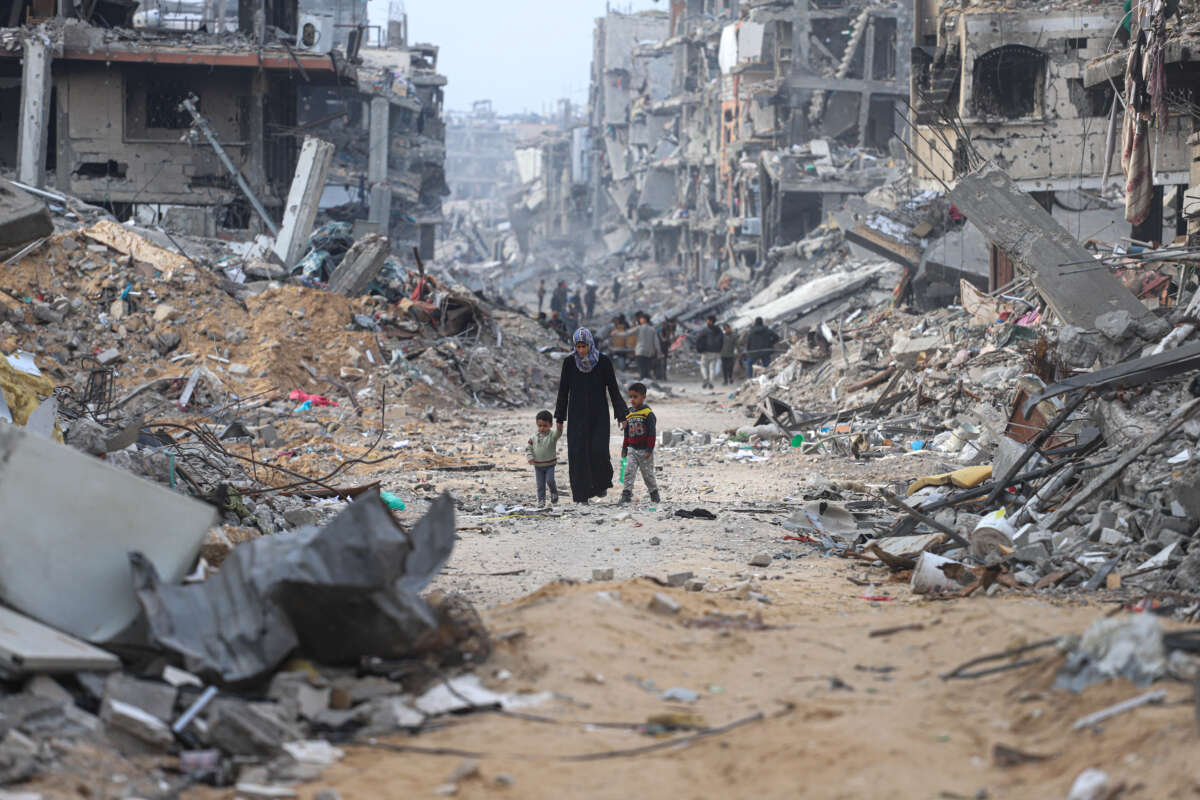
[830, 710]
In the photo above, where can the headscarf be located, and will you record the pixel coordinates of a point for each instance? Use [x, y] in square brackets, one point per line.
[593, 356]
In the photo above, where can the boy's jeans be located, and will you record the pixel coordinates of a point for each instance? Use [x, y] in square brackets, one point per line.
[545, 477]
[639, 460]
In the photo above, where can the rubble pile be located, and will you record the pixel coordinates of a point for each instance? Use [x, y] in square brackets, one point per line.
[234, 679]
[106, 298]
[1059, 456]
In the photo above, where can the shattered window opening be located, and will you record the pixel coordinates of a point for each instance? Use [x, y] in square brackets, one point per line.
[101, 169]
[1009, 82]
[162, 107]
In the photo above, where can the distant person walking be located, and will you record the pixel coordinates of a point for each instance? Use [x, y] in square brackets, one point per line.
[541, 294]
[589, 299]
[586, 378]
[760, 346]
[645, 351]
[666, 338]
[616, 289]
[709, 343]
[558, 300]
[728, 354]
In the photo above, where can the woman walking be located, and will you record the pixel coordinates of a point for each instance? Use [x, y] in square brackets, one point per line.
[581, 401]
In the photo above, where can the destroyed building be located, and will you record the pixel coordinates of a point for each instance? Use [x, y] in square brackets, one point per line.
[197, 119]
[479, 153]
[720, 130]
[1007, 85]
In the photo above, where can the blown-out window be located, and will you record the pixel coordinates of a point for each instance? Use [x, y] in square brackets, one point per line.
[1009, 82]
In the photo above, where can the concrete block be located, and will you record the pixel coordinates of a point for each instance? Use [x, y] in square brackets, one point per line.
[1116, 326]
[386, 714]
[298, 517]
[154, 698]
[1078, 348]
[602, 574]
[295, 692]
[678, 578]
[249, 729]
[760, 560]
[1031, 554]
[360, 265]
[300, 210]
[47, 687]
[137, 723]
[106, 514]
[664, 604]
[23, 217]
[31, 714]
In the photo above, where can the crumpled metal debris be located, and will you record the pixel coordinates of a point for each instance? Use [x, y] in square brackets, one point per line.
[348, 590]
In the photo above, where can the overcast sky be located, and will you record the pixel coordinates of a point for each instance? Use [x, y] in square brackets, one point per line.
[521, 54]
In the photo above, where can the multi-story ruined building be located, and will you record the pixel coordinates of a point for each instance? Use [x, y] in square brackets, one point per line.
[479, 153]
[727, 128]
[1006, 84]
[204, 109]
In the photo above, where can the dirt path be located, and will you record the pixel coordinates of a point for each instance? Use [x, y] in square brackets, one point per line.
[844, 714]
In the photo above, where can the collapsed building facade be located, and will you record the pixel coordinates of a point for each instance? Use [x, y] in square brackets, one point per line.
[998, 84]
[718, 131]
[197, 119]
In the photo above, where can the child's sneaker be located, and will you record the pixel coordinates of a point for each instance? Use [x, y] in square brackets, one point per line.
[655, 498]
[554, 498]
[626, 498]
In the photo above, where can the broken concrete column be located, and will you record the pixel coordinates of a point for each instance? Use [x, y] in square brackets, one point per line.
[33, 127]
[360, 265]
[303, 198]
[377, 164]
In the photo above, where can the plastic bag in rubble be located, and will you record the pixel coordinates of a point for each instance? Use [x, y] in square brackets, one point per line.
[1129, 647]
[335, 594]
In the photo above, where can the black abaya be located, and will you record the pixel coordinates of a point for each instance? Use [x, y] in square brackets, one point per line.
[582, 405]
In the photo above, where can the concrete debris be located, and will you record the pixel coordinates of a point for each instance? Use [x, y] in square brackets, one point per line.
[664, 604]
[250, 329]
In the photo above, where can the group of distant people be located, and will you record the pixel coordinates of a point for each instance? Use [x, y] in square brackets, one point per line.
[570, 309]
[649, 348]
[643, 346]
